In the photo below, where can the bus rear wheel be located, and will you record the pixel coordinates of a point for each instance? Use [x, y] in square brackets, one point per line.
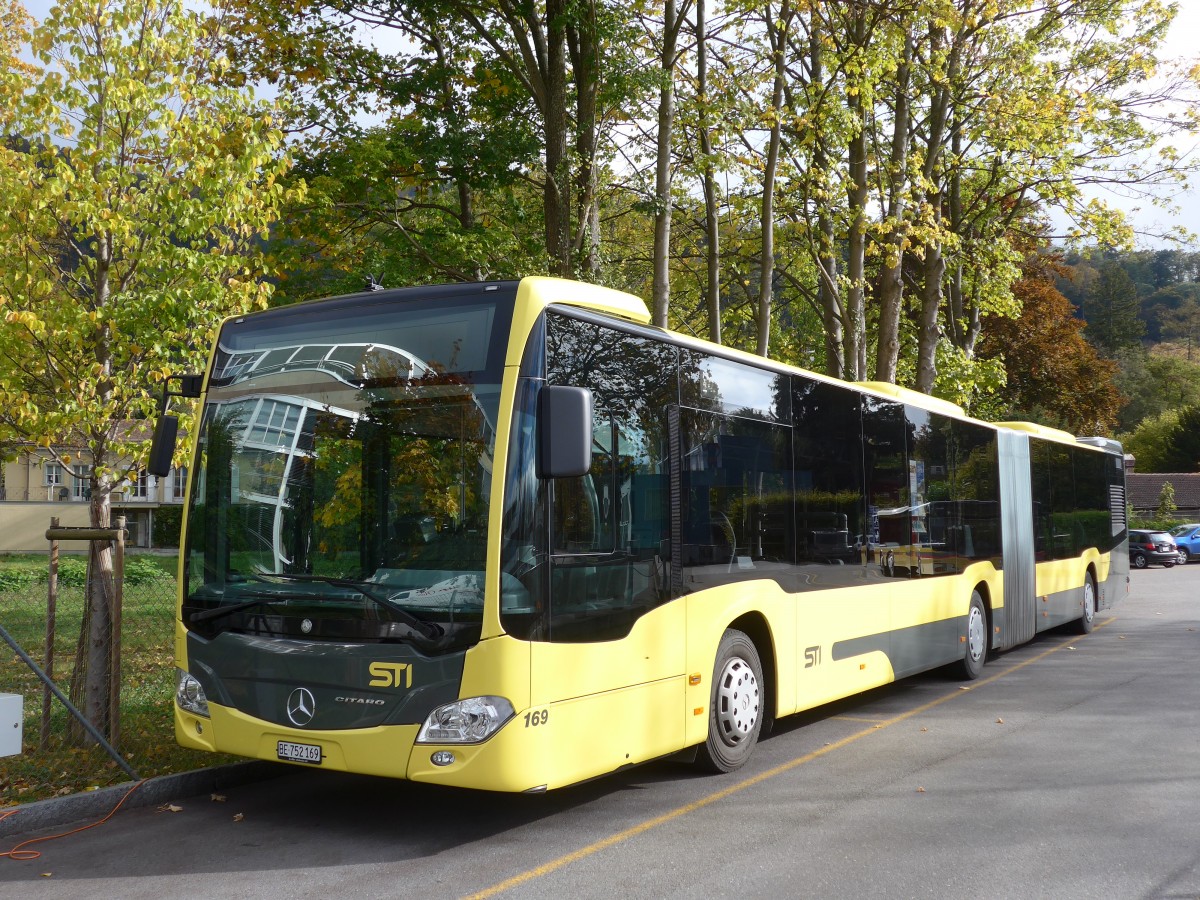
[1088, 620]
[975, 654]
[735, 715]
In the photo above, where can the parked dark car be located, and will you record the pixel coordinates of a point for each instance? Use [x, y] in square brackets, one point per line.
[1150, 547]
[1187, 541]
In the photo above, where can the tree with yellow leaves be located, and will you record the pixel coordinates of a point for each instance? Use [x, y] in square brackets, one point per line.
[138, 179]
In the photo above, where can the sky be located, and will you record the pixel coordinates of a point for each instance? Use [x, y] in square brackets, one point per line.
[1183, 42]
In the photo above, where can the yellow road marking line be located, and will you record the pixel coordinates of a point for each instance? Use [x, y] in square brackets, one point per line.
[634, 831]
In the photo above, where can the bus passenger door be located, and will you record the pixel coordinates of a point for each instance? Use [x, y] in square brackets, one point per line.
[610, 668]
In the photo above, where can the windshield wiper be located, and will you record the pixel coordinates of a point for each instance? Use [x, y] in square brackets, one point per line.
[430, 631]
[220, 611]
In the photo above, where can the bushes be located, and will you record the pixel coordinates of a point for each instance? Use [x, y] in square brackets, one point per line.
[167, 522]
[23, 573]
[143, 570]
[14, 579]
[72, 571]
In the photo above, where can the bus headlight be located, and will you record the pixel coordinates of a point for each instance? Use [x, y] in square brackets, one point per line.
[465, 721]
[189, 694]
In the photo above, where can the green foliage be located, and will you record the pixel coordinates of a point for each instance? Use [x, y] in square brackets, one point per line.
[1112, 310]
[371, 210]
[1166, 501]
[1183, 442]
[16, 579]
[1153, 522]
[168, 521]
[139, 570]
[72, 571]
[1149, 441]
[1155, 384]
[1169, 442]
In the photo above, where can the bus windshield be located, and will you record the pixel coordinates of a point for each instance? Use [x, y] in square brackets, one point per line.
[343, 471]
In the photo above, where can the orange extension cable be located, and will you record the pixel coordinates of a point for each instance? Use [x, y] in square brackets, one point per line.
[18, 853]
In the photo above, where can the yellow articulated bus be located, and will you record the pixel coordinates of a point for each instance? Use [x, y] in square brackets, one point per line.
[508, 536]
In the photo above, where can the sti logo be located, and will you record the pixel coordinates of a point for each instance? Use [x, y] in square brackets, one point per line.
[386, 674]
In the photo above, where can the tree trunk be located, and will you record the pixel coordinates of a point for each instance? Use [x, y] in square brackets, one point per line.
[712, 221]
[90, 678]
[931, 301]
[940, 105]
[855, 329]
[854, 339]
[829, 297]
[466, 219]
[964, 322]
[557, 196]
[777, 34]
[581, 37]
[661, 290]
[778, 37]
[891, 282]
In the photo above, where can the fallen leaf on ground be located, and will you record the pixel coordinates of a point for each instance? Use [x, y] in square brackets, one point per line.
[237, 817]
[170, 807]
[218, 798]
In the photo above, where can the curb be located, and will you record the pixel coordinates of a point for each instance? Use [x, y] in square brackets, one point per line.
[92, 805]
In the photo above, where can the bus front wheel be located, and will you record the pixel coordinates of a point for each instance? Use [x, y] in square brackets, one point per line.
[735, 715]
[975, 654]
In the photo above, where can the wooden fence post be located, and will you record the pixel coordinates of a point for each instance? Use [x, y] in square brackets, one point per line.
[114, 684]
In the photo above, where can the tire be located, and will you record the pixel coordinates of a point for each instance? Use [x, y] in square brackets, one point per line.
[1168, 564]
[735, 715]
[975, 652]
[1087, 621]
[1184, 556]
[1138, 560]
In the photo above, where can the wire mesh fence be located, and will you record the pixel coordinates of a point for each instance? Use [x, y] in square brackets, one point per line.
[68, 636]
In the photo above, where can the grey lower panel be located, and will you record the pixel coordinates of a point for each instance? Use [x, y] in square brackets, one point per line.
[911, 650]
[1059, 608]
[1116, 588]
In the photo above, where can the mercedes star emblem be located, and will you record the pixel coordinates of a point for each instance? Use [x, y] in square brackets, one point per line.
[306, 626]
[301, 706]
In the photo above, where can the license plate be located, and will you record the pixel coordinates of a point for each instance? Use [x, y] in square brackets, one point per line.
[305, 753]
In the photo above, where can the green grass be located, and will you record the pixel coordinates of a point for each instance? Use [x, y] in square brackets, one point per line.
[147, 680]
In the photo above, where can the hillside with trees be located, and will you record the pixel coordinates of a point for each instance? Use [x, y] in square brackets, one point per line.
[1142, 313]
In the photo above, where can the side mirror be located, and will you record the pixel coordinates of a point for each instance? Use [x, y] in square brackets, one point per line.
[564, 431]
[162, 448]
[166, 430]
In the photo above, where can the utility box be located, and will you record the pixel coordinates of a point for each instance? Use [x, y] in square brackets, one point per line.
[11, 719]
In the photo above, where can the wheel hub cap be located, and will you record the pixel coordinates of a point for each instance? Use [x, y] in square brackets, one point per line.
[975, 633]
[738, 701]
